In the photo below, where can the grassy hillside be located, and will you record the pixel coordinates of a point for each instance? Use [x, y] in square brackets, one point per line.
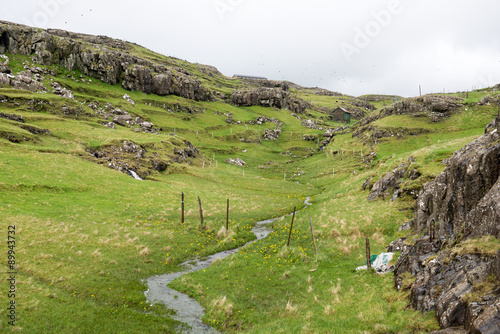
[87, 236]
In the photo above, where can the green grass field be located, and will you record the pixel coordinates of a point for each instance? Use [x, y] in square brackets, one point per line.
[87, 236]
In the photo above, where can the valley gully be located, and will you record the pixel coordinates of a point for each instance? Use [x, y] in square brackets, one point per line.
[188, 310]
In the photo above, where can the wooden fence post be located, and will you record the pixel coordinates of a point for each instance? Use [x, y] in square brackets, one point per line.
[368, 263]
[291, 227]
[314, 240]
[182, 208]
[201, 211]
[227, 216]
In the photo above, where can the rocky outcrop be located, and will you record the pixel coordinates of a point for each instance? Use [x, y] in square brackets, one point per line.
[129, 156]
[434, 107]
[12, 117]
[445, 283]
[266, 97]
[138, 77]
[463, 200]
[35, 130]
[458, 287]
[186, 153]
[392, 183]
[375, 135]
[269, 97]
[27, 81]
[99, 57]
[425, 104]
[489, 100]
[459, 209]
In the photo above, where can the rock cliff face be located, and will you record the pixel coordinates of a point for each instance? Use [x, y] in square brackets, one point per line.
[99, 57]
[269, 97]
[456, 264]
[464, 199]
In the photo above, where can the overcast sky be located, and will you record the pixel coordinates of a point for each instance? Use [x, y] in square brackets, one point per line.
[354, 47]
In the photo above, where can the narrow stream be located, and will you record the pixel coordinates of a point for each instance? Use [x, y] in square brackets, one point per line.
[134, 175]
[187, 309]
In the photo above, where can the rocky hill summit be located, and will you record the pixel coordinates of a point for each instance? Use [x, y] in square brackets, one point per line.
[114, 61]
[455, 262]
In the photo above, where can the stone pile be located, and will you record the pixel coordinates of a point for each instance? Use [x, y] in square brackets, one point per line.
[237, 162]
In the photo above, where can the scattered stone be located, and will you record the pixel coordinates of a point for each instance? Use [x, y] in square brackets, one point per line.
[110, 125]
[123, 120]
[5, 79]
[61, 91]
[272, 134]
[237, 162]
[311, 125]
[489, 100]
[127, 98]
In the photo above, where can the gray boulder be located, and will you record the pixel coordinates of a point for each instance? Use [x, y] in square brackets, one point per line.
[162, 84]
[237, 162]
[138, 77]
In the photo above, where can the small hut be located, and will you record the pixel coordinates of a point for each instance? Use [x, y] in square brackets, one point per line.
[341, 115]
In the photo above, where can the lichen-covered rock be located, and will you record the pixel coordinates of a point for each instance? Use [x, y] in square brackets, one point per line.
[138, 77]
[462, 203]
[62, 91]
[443, 285]
[162, 83]
[269, 97]
[392, 181]
[98, 57]
[483, 317]
[466, 191]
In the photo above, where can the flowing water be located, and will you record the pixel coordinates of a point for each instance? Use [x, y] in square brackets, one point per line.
[134, 175]
[187, 309]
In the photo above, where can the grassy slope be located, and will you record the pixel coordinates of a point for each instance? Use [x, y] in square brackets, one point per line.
[87, 236]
